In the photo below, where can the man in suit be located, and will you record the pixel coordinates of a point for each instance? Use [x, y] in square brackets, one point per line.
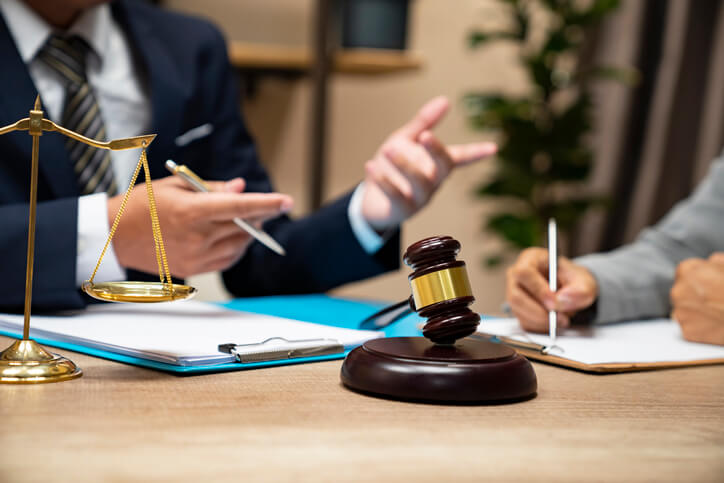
[125, 68]
[675, 268]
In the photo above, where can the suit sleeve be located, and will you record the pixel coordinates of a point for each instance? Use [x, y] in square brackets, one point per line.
[55, 256]
[635, 280]
[322, 250]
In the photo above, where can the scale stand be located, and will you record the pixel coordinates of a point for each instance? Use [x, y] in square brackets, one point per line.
[26, 361]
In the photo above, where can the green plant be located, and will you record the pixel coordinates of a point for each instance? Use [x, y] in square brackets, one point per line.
[543, 157]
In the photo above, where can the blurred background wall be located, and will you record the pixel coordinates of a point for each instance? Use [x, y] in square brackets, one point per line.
[653, 142]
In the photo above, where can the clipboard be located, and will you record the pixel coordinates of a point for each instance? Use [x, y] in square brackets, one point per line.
[172, 368]
[318, 309]
[631, 346]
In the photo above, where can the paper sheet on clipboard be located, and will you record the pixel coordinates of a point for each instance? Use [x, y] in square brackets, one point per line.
[184, 333]
[616, 347]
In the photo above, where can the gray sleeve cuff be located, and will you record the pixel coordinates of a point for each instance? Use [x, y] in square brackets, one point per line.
[622, 297]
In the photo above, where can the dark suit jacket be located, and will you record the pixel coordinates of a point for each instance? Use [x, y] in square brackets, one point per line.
[191, 83]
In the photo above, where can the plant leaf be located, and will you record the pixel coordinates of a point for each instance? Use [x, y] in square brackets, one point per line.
[487, 111]
[521, 231]
[540, 70]
[558, 42]
[479, 38]
[493, 261]
[506, 185]
[626, 75]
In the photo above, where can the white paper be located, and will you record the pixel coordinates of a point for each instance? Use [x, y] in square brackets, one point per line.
[644, 341]
[185, 333]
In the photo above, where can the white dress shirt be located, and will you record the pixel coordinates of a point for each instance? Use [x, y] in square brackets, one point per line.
[124, 105]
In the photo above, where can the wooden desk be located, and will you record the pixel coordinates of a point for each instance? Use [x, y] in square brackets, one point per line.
[123, 423]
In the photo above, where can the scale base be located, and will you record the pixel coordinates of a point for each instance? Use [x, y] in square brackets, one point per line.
[26, 362]
[415, 369]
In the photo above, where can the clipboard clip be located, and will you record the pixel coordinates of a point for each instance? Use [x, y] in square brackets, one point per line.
[546, 350]
[278, 348]
[518, 344]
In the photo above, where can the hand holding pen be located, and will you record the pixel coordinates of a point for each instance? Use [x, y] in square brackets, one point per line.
[199, 231]
[531, 298]
[202, 186]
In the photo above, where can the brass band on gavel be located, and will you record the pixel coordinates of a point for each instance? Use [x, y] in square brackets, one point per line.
[445, 284]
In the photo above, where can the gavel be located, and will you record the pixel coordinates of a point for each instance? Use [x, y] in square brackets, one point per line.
[446, 365]
[441, 290]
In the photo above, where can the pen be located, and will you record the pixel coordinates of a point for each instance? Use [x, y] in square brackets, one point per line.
[200, 185]
[552, 276]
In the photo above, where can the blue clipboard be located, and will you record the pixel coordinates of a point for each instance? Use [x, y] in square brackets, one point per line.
[320, 309]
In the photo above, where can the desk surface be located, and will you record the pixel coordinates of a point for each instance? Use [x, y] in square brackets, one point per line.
[123, 423]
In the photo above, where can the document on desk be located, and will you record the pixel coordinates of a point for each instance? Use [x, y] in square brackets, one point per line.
[614, 347]
[183, 333]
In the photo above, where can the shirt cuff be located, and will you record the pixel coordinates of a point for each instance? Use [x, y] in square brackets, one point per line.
[366, 235]
[93, 232]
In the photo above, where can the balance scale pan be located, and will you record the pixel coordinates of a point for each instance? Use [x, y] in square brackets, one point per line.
[138, 292]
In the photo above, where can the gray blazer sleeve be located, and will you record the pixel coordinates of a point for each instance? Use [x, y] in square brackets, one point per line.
[634, 281]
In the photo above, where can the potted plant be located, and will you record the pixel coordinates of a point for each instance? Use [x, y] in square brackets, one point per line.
[543, 158]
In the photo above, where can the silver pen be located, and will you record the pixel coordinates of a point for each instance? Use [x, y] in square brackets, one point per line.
[552, 276]
[200, 185]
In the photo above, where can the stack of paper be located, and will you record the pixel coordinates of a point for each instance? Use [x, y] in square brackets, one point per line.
[185, 333]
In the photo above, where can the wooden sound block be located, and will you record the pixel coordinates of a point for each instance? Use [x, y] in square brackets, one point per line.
[414, 368]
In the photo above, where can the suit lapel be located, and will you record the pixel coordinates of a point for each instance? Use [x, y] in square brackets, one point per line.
[16, 99]
[166, 90]
[168, 93]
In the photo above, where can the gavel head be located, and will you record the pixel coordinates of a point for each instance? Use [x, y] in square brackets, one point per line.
[440, 289]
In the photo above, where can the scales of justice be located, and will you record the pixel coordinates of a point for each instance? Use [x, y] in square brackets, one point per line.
[26, 361]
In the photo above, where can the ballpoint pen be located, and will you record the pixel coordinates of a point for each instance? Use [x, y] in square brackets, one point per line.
[552, 276]
[200, 185]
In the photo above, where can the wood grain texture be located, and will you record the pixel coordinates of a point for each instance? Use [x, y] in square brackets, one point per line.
[123, 423]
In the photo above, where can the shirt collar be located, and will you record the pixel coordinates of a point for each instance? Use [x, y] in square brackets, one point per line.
[30, 31]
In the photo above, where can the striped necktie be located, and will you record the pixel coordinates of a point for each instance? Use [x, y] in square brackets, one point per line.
[92, 166]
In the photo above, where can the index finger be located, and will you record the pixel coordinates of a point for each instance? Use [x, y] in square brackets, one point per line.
[468, 153]
[218, 206]
[427, 117]
[528, 273]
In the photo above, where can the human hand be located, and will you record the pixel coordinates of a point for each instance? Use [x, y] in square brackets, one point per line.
[530, 297]
[198, 232]
[697, 298]
[410, 166]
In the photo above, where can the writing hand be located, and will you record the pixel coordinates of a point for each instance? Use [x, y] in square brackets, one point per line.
[410, 166]
[530, 297]
[198, 231]
[697, 299]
